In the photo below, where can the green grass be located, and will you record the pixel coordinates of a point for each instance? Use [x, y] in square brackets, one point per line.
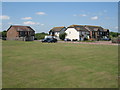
[59, 65]
[0, 64]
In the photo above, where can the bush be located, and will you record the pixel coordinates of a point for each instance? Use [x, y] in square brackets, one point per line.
[114, 34]
[4, 35]
[85, 39]
[39, 36]
[62, 36]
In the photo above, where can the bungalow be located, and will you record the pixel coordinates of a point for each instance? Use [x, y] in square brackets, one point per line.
[82, 32]
[56, 31]
[22, 33]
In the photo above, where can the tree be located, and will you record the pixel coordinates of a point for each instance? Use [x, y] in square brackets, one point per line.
[114, 34]
[4, 34]
[62, 36]
[39, 36]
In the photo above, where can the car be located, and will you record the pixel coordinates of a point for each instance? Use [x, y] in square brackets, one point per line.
[106, 39]
[52, 40]
[74, 40]
[116, 40]
[67, 39]
[49, 40]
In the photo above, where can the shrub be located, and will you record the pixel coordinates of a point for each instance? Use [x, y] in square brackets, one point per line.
[4, 35]
[39, 36]
[62, 36]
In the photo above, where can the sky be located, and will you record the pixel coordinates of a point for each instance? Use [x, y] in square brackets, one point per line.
[60, 0]
[43, 16]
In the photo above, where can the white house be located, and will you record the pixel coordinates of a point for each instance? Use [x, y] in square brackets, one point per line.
[80, 32]
[77, 32]
[56, 31]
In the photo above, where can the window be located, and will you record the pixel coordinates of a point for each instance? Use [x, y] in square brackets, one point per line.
[22, 33]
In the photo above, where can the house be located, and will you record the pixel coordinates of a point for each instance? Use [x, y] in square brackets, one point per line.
[76, 32]
[56, 31]
[22, 33]
[82, 32]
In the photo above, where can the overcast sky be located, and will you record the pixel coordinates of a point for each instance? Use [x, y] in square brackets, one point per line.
[42, 16]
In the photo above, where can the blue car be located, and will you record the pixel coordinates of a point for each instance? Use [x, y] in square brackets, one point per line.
[49, 40]
[66, 39]
[106, 39]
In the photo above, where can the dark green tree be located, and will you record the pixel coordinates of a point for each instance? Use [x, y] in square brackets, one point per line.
[4, 34]
[39, 36]
[114, 34]
[62, 36]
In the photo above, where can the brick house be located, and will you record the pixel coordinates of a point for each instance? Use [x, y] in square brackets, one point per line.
[22, 33]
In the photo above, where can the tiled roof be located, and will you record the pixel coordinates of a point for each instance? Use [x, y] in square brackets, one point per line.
[57, 29]
[78, 27]
[21, 28]
[94, 28]
[87, 28]
[106, 29]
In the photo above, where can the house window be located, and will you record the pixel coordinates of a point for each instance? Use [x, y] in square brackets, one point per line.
[100, 32]
[22, 33]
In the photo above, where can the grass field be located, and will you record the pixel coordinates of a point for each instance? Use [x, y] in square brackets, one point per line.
[59, 65]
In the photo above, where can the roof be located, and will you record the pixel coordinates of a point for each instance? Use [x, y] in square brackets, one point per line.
[78, 27]
[57, 29]
[106, 29]
[87, 28]
[94, 28]
[21, 28]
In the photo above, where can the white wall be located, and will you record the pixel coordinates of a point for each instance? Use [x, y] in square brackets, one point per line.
[57, 34]
[72, 33]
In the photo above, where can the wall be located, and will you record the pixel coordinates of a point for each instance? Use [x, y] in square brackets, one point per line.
[72, 33]
[57, 34]
[12, 34]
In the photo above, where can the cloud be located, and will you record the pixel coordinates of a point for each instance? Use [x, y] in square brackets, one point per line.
[83, 15]
[10, 23]
[104, 11]
[107, 18]
[116, 27]
[5, 17]
[94, 18]
[74, 15]
[100, 13]
[82, 10]
[41, 13]
[26, 18]
[32, 23]
[42, 24]
[29, 23]
[17, 24]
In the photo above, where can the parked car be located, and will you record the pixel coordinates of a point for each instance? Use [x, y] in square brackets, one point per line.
[74, 40]
[116, 40]
[49, 40]
[67, 39]
[106, 39]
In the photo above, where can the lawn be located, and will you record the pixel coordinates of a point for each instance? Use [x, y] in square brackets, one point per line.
[59, 65]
